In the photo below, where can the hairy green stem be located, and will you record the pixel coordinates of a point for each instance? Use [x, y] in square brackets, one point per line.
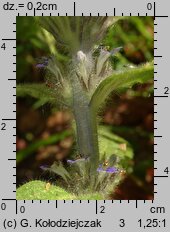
[86, 127]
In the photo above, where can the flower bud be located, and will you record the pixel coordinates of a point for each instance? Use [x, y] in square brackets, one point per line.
[81, 57]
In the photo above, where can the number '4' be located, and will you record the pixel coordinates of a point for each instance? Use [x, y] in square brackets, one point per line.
[3, 46]
[166, 170]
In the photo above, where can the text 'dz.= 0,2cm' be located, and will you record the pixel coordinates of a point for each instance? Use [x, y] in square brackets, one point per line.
[30, 6]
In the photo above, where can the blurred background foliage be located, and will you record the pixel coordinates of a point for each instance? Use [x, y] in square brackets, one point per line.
[44, 131]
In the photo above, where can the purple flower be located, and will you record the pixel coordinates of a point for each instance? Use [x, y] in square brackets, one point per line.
[108, 170]
[43, 63]
[100, 169]
[40, 65]
[112, 170]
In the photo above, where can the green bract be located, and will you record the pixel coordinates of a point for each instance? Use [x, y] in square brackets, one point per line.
[77, 33]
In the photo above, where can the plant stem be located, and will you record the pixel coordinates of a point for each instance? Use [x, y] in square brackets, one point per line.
[86, 127]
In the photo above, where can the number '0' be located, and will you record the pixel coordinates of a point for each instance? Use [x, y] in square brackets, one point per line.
[149, 6]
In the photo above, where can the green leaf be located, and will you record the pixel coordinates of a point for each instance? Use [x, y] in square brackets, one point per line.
[93, 196]
[37, 91]
[110, 144]
[120, 80]
[59, 169]
[39, 190]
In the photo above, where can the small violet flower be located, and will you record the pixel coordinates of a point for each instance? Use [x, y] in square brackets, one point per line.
[112, 170]
[108, 170]
[100, 169]
[43, 64]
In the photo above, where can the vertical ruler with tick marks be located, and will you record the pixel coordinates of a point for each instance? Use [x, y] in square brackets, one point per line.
[69, 215]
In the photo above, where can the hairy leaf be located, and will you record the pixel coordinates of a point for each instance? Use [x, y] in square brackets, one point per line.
[44, 94]
[37, 91]
[120, 80]
[38, 190]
